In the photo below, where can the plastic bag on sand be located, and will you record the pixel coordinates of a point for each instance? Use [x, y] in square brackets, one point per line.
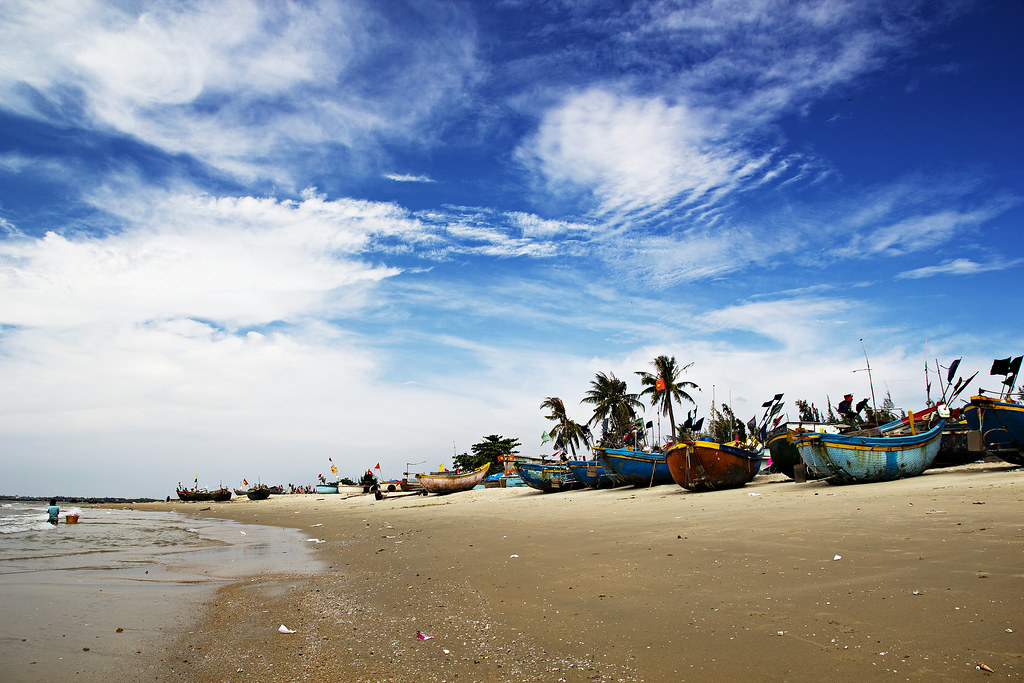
[419, 634]
[285, 629]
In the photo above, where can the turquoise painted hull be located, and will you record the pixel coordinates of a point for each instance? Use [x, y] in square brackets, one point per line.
[547, 477]
[591, 473]
[634, 468]
[846, 459]
[1001, 425]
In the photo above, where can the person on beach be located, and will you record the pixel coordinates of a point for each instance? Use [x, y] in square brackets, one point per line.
[53, 511]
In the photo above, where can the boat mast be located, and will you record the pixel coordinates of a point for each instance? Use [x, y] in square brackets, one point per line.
[874, 407]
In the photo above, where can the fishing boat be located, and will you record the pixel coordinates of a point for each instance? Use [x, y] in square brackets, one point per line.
[783, 452]
[591, 473]
[708, 465]
[202, 495]
[324, 489]
[451, 482]
[1000, 424]
[859, 457]
[260, 492]
[547, 477]
[634, 468]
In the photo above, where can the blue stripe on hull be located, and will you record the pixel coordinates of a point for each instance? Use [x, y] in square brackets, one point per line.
[635, 468]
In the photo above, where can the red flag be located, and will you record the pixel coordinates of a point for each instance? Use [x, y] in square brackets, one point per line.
[660, 384]
[377, 467]
[245, 482]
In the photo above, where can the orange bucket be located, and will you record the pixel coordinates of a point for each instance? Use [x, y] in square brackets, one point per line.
[71, 519]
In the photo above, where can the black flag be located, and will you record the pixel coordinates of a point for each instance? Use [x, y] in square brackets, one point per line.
[698, 425]
[952, 370]
[1000, 367]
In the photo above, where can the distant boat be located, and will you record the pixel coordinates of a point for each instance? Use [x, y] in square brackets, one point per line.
[634, 468]
[260, 492]
[451, 482]
[855, 459]
[591, 473]
[783, 452]
[202, 495]
[324, 489]
[1001, 425]
[707, 465]
[547, 477]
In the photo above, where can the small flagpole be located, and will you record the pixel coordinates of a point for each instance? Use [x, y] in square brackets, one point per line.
[874, 407]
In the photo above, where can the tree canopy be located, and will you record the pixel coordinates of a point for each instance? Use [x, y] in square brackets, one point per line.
[665, 386]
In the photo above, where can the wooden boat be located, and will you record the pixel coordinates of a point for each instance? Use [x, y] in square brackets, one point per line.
[1001, 426]
[409, 484]
[324, 489]
[276, 491]
[202, 495]
[591, 473]
[708, 466]
[547, 477]
[451, 482]
[856, 458]
[258, 492]
[635, 468]
[783, 452]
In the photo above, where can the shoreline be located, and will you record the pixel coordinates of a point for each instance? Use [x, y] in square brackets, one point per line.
[633, 584]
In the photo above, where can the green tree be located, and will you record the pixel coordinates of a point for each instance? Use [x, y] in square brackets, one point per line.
[488, 451]
[668, 374]
[611, 401]
[566, 433]
[725, 426]
[808, 413]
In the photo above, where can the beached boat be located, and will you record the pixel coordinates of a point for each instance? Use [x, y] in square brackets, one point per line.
[547, 477]
[784, 455]
[260, 492]
[202, 495]
[327, 488]
[451, 482]
[591, 473]
[708, 466]
[634, 468]
[855, 458]
[1001, 426]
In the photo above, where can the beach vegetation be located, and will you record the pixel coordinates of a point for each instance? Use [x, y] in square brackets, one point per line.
[566, 433]
[725, 426]
[665, 386]
[491, 450]
[808, 412]
[614, 407]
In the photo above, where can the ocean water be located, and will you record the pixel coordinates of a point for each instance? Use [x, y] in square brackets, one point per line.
[65, 590]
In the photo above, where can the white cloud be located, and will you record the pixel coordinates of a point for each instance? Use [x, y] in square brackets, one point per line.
[208, 79]
[404, 178]
[959, 266]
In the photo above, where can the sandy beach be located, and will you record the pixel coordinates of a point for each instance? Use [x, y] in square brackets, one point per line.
[916, 579]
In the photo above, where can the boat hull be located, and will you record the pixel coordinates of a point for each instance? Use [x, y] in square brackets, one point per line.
[709, 466]
[547, 477]
[258, 493]
[591, 473]
[324, 489]
[850, 459]
[451, 482]
[1001, 425]
[634, 468]
[783, 452]
[218, 496]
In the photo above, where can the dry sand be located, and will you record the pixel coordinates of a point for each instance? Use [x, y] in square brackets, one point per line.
[919, 579]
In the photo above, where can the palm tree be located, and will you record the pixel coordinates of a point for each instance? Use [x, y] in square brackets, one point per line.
[608, 395]
[566, 432]
[665, 386]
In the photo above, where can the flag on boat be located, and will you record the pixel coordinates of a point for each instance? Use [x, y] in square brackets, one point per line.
[334, 468]
[377, 467]
[244, 482]
[1000, 367]
[545, 437]
[952, 370]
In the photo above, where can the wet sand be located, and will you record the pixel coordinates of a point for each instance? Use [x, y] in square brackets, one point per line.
[910, 580]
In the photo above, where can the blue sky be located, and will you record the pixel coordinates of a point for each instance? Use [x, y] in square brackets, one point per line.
[238, 238]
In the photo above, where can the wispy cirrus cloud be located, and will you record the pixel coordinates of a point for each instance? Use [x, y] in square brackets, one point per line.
[408, 178]
[958, 266]
[209, 79]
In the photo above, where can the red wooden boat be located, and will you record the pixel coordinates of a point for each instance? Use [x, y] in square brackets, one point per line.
[707, 466]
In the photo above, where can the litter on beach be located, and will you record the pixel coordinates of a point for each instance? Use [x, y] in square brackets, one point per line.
[837, 557]
[315, 540]
[419, 634]
[284, 629]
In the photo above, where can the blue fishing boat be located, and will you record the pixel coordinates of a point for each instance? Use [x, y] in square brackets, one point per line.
[1001, 424]
[856, 459]
[547, 476]
[634, 468]
[591, 473]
